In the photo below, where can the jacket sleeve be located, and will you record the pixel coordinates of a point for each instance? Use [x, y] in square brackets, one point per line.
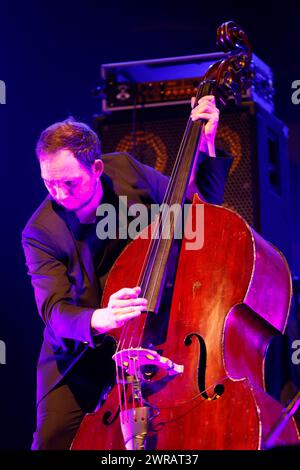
[55, 294]
[211, 177]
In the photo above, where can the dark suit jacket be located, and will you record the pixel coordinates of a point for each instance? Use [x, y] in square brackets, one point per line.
[61, 266]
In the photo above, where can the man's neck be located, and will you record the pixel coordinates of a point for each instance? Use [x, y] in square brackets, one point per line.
[87, 214]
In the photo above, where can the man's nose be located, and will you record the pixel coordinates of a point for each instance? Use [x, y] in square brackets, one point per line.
[61, 193]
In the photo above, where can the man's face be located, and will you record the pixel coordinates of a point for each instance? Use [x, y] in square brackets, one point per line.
[70, 184]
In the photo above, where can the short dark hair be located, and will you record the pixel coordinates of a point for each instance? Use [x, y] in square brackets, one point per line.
[72, 135]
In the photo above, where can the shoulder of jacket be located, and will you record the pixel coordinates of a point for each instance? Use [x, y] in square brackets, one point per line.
[116, 159]
[44, 217]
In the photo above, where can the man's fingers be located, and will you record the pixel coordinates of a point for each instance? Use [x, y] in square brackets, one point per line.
[127, 316]
[127, 310]
[209, 98]
[206, 116]
[115, 303]
[126, 293]
[205, 106]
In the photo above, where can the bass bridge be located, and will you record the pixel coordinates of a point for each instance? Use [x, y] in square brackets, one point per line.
[133, 367]
[133, 359]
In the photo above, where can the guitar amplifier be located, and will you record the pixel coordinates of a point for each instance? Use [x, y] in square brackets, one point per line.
[172, 81]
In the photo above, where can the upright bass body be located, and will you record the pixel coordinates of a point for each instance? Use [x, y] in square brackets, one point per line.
[229, 300]
[190, 372]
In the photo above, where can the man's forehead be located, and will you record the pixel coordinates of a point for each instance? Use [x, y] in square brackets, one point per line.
[59, 165]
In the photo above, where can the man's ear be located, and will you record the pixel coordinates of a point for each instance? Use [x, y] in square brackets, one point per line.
[98, 167]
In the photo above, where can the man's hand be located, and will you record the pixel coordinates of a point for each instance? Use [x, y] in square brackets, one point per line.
[207, 110]
[123, 305]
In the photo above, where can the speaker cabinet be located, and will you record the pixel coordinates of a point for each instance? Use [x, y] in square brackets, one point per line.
[258, 184]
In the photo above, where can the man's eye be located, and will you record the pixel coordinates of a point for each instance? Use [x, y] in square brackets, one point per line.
[70, 184]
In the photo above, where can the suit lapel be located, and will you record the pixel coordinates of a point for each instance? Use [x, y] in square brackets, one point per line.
[83, 251]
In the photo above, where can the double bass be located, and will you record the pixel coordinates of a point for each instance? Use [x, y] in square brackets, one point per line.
[190, 371]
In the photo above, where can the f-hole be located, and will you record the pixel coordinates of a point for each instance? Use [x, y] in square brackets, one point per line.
[219, 388]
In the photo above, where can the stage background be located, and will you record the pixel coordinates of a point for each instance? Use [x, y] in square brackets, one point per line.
[50, 56]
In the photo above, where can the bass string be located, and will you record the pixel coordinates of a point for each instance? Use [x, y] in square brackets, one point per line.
[151, 254]
[155, 244]
[171, 189]
[160, 265]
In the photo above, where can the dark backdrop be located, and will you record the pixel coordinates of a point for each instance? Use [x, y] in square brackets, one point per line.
[50, 56]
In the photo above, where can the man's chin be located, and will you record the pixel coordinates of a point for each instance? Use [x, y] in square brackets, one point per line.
[69, 206]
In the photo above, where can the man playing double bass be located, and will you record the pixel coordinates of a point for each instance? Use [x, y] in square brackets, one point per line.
[69, 264]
